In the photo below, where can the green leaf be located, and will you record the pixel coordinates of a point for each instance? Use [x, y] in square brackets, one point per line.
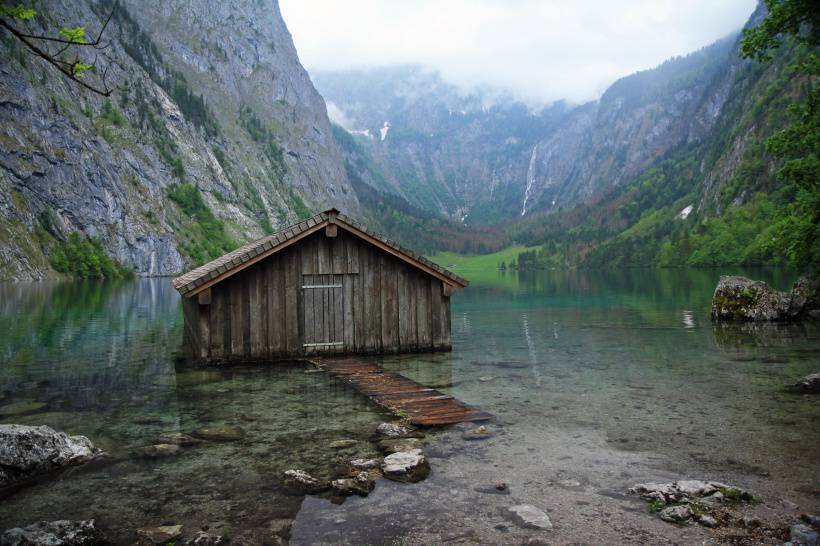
[17, 12]
[76, 35]
[79, 69]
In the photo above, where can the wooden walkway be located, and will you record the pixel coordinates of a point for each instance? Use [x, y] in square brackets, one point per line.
[422, 405]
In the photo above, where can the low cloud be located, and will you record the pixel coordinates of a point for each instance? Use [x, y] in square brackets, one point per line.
[539, 50]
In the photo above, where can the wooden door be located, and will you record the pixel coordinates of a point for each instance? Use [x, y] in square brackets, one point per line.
[323, 313]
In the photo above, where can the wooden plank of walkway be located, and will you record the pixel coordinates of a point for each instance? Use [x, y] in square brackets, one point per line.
[422, 405]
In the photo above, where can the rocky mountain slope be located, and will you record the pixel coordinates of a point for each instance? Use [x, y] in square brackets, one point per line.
[708, 197]
[449, 152]
[461, 154]
[637, 121]
[213, 136]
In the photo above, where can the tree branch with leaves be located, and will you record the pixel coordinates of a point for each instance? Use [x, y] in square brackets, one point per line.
[798, 145]
[63, 51]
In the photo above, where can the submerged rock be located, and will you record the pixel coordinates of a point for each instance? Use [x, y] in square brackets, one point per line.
[177, 438]
[392, 430]
[478, 433]
[361, 485]
[53, 533]
[342, 444]
[163, 534]
[157, 451]
[406, 466]
[739, 298]
[221, 433]
[26, 451]
[302, 481]
[530, 516]
[21, 407]
[365, 464]
[810, 383]
[394, 445]
[205, 539]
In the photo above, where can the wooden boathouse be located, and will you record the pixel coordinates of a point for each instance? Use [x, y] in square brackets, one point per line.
[325, 286]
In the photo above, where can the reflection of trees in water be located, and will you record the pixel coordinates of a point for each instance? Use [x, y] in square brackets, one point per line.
[739, 335]
[88, 345]
[688, 287]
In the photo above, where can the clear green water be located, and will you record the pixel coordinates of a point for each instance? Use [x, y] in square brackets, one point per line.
[602, 378]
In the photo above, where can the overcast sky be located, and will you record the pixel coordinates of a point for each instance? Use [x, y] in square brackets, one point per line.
[540, 50]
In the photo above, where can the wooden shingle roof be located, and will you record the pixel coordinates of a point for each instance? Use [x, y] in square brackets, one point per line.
[223, 267]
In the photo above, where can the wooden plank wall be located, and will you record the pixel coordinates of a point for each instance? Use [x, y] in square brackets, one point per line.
[383, 306]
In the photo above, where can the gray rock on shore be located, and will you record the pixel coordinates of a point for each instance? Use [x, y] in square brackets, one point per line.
[53, 533]
[26, 451]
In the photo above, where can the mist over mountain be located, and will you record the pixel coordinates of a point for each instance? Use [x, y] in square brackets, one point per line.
[459, 154]
[487, 158]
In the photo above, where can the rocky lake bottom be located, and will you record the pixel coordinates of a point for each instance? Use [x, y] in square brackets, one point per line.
[596, 382]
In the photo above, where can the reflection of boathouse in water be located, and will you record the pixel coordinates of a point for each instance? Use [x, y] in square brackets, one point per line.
[324, 286]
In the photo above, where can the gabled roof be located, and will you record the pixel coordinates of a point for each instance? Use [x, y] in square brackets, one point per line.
[223, 267]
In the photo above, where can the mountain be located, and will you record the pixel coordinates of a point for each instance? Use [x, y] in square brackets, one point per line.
[214, 135]
[707, 197]
[460, 154]
[486, 158]
[637, 121]
[668, 167]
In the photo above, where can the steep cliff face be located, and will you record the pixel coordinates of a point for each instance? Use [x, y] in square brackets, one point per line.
[213, 136]
[636, 122]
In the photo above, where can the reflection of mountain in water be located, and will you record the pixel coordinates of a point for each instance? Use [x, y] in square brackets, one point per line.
[89, 345]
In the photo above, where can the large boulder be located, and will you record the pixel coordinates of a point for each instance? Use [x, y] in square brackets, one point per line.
[53, 533]
[26, 451]
[806, 295]
[739, 298]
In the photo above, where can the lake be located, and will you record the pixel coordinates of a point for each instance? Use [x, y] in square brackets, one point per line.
[597, 380]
